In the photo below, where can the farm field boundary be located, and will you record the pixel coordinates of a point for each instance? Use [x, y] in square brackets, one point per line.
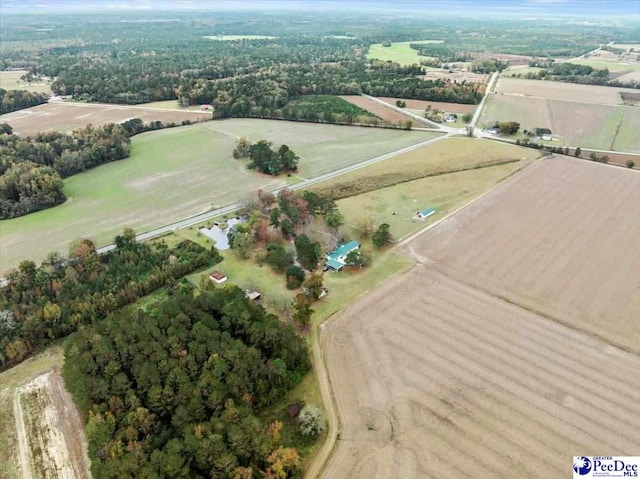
[425, 365]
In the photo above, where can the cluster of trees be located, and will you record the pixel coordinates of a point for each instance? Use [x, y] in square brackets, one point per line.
[13, 100]
[488, 65]
[179, 390]
[507, 127]
[32, 168]
[264, 158]
[292, 230]
[567, 72]
[41, 304]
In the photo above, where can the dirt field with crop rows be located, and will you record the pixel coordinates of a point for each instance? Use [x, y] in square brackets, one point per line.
[67, 116]
[513, 344]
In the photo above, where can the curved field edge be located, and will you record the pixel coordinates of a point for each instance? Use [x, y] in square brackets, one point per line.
[176, 173]
[419, 369]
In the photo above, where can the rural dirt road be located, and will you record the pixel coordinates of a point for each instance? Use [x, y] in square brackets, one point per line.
[510, 349]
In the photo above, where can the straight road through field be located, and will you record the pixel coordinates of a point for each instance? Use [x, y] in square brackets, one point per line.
[478, 112]
[304, 184]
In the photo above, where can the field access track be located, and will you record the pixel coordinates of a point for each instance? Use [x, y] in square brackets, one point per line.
[510, 347]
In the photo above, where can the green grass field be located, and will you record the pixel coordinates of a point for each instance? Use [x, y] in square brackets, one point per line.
[444, 156]
[443, 192]
[238, 37]
[399, 52]
[610, 65]
[176, 173]
[11, 81]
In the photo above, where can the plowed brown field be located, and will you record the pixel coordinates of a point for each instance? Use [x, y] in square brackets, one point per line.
[69, 116]
[512, 346]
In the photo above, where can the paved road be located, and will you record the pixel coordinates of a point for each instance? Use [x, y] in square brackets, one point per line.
[230, 208]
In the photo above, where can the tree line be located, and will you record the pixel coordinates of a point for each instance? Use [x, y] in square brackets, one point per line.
[179, 390]
[32, 168]
[43, 303]
[13, 100]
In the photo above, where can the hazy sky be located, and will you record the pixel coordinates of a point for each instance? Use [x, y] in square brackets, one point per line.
[587, 7]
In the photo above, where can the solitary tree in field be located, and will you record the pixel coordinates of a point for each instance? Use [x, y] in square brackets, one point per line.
[467, 117]
[382, 235]
[578, 152]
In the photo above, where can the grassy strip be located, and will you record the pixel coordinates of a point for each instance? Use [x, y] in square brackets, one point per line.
[372, 183]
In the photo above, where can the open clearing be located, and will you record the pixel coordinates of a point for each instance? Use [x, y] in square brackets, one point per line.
[179, 172]
[497, 355]
[11, 81]
[67, 116]
[41, 433]
[587, 125]
[399, 52]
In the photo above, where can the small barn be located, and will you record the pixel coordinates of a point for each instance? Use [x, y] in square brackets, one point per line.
[217, 277]
[425, 213]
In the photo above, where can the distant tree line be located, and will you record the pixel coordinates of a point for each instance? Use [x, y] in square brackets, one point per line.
[13, 100]
[180, 390]
[41, 304]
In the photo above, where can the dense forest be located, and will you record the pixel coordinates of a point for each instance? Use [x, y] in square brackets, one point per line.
[32, 168]
[13, 100]
[41, 304]
[177, 391]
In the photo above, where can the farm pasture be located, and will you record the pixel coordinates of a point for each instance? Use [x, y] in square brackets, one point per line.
[179, 172]
[10, 80]
[574, 123]
[399, 52]
[510, 346]
[396, 205]
[553, 90]
[67, 116]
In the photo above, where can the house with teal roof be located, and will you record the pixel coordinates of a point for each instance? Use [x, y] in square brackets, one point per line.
[336, 260]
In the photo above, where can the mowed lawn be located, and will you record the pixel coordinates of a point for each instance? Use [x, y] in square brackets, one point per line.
[577, 124]
[176, 173]
[399, 52]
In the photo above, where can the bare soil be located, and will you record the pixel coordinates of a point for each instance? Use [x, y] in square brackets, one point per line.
[67, 116]
[51, 441]
[511, 346]
[389, 115]
[459, 108]
[561, 91]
